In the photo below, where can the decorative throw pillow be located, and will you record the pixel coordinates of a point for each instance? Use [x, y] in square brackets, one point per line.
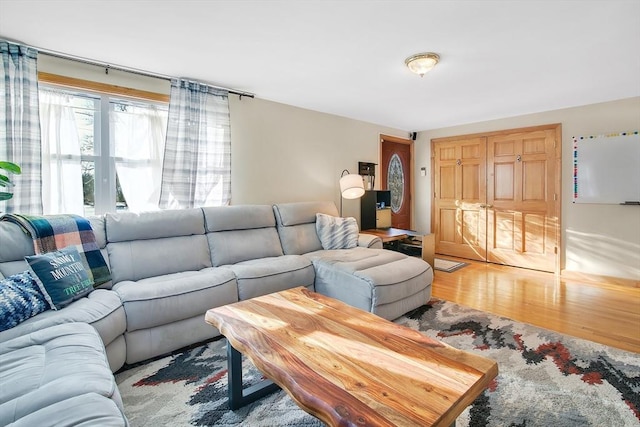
[337, 233]
[20, 299]
[61, 276]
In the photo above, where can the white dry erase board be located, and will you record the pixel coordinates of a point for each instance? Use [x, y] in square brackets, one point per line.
[606, 168]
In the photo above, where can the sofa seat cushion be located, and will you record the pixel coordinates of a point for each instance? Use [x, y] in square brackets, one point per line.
[87, 410]
[101, 308]
[357, 258]
[266, 275]
[370, 278]
[172, 297]
[51, 365]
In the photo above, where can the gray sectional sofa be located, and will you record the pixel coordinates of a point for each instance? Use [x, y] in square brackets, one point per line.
[167, 269]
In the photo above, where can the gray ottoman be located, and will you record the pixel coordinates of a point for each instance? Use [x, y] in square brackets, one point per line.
[383, 282]
[89, 409]
[45, 368]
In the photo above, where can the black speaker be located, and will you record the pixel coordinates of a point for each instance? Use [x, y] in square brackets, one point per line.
[413, 135]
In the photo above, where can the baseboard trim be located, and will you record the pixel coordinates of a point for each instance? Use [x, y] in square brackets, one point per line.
[620, 281]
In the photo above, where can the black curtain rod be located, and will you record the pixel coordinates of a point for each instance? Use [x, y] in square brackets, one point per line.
[108, 67]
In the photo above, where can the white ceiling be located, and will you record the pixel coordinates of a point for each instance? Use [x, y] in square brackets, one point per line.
[498, 58]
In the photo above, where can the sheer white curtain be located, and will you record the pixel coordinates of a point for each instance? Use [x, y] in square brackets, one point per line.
[138, 134]
[61, 161]
[197, 163]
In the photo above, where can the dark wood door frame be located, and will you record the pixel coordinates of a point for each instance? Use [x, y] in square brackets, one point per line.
[410, 143]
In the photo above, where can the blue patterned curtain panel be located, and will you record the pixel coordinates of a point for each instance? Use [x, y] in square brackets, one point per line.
[20, 141]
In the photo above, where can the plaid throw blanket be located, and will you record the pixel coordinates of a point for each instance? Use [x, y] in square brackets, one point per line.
[53, 232]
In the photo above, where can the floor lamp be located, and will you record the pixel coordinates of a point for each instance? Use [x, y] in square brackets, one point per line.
[351, 187]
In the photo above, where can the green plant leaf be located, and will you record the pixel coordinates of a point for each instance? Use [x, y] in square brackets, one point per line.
[10, 167]
[5, 181]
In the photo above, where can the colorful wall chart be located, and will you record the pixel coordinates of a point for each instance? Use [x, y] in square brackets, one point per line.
[606, 168]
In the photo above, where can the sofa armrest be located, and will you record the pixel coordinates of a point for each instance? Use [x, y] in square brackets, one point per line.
[369, 241]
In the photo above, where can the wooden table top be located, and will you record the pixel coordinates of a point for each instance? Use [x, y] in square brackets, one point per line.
[349, 367]
[390, 234]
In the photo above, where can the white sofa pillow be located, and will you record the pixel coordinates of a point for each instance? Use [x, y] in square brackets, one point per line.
[337, 233]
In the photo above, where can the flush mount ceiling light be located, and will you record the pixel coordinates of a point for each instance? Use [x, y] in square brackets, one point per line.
[422, 63]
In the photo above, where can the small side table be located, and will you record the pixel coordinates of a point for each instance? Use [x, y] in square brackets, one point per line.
[395, 235]
[390, 236]
[429, 248]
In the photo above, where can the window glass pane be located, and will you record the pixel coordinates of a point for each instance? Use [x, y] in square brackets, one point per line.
[121, 202]
[137, 134]
[88, 185]
[85, 109]
[121, 150]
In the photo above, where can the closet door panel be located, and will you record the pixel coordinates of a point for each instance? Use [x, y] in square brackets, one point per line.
[459, 194]
[521, 194]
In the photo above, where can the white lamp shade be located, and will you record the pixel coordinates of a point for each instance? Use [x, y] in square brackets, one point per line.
[351, 186]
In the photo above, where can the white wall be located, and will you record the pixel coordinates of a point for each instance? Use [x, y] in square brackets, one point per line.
[596, 239]
[79, 70]
[281, 153]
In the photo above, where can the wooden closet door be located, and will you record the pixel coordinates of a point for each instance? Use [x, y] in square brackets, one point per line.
[459, 197]
[523, 199]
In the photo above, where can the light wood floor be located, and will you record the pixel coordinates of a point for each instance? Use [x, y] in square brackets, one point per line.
[602, 312]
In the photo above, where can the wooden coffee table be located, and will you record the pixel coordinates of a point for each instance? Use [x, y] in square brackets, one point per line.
[347, 366]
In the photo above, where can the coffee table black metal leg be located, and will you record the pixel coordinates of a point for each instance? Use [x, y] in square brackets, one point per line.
[239, 397]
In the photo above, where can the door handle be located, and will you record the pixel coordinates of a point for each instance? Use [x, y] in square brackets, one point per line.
[483, 206]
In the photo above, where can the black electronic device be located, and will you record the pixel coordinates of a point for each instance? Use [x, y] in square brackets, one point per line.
[370, 206]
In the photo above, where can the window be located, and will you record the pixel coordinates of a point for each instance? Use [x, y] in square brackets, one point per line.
[115, 143]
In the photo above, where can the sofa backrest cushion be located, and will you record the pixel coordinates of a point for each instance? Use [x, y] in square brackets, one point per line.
[147, 244]
[296, 223]
[241, 233]
[15, 244]
[128, 226]
[97, 224]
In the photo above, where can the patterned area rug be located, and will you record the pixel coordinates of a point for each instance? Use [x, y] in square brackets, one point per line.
[545, 379]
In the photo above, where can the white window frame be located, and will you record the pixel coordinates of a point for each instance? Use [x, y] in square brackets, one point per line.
[103, 151]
